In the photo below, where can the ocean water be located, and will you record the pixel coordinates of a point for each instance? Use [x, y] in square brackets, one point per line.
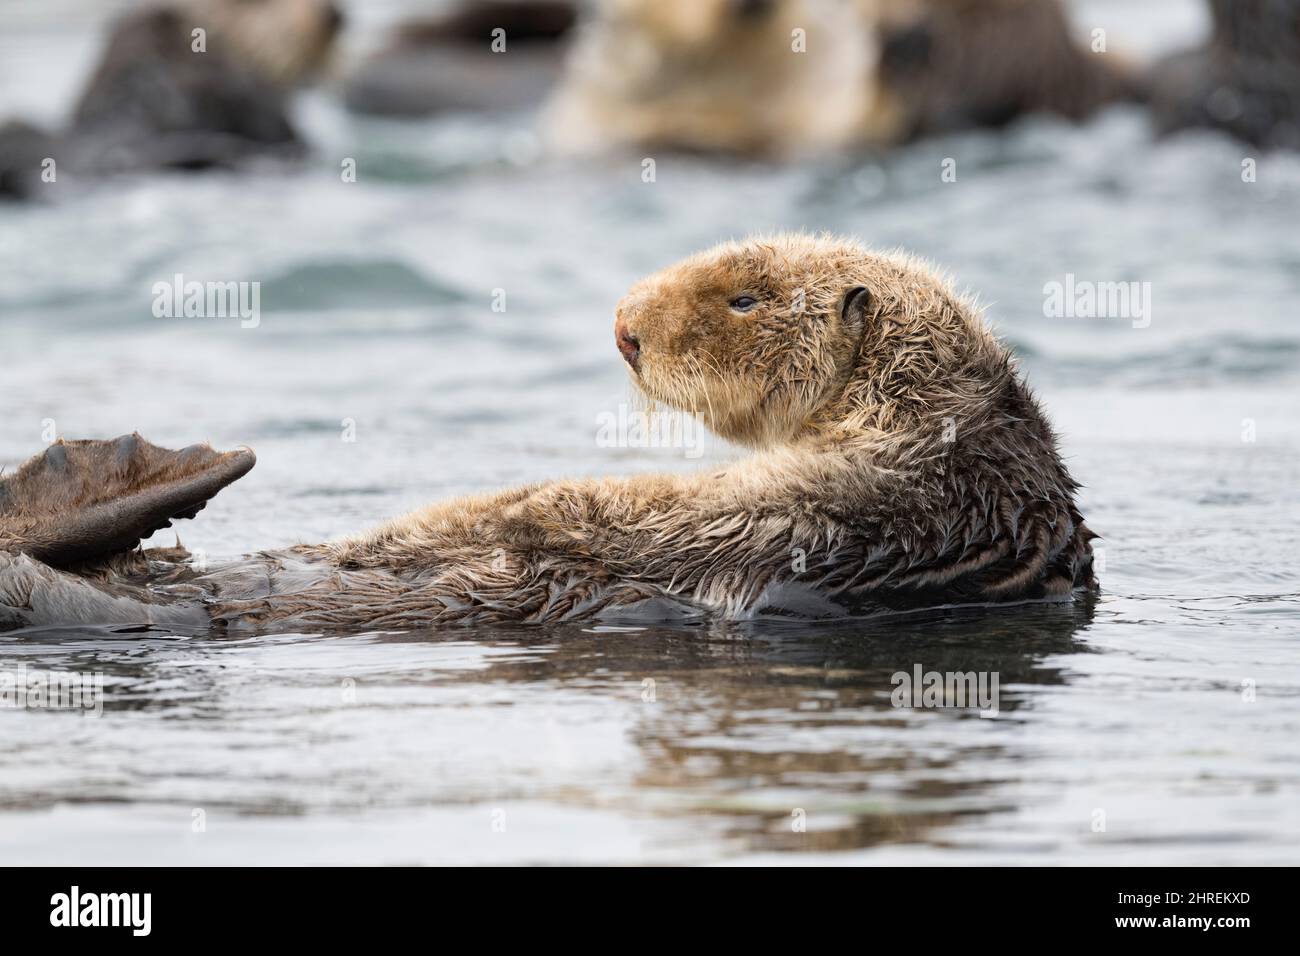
[1159, 723]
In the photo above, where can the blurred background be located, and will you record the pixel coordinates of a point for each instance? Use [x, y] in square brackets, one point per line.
[381, 377]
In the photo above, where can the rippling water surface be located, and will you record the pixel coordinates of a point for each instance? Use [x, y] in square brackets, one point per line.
[1168, 710]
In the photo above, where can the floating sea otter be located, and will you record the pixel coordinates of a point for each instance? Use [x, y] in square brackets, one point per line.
[189, 84]
[899, 463]
[781, 78]
[791, 78]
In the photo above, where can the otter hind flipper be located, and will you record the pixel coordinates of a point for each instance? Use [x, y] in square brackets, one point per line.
[84, 500]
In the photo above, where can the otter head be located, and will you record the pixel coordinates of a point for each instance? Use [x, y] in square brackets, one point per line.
[752, 337]
[283, 41]
[774, 339]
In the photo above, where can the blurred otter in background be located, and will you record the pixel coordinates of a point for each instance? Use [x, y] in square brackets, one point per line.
[764, 77]
[1245, 80]
[728, 75]
[163, 97]
[448, 62]
[953, 64]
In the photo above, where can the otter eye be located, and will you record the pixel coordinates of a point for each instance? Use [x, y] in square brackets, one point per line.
[743, 303]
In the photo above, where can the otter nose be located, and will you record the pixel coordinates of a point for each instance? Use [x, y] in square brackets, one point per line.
[628, 344]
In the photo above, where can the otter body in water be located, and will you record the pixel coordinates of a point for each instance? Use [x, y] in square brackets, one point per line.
[899, 463]
[190, 84]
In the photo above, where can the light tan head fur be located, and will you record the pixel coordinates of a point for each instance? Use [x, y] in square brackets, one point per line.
[839, 342]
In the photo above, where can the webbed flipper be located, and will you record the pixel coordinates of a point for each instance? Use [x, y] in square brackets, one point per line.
[79, 501]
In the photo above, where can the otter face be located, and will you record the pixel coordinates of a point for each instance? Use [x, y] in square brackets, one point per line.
[751, 337]
[285, 41]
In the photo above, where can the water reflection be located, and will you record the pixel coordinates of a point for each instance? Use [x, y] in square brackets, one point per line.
[754, 738]
[768, 729]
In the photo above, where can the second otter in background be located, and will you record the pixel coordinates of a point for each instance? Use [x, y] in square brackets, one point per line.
[763, 77]
[793, 77]
[187, 85]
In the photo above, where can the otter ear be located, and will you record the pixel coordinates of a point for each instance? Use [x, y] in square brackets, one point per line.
[853, 310]
[853, 318]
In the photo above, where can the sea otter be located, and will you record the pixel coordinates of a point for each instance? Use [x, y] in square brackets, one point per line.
[792, 78]
[164, 96]
[1245, 81]
[899, 462]
[777, 78]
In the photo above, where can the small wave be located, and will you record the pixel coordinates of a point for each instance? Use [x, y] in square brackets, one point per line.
[340, 285]
[1209, 361]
